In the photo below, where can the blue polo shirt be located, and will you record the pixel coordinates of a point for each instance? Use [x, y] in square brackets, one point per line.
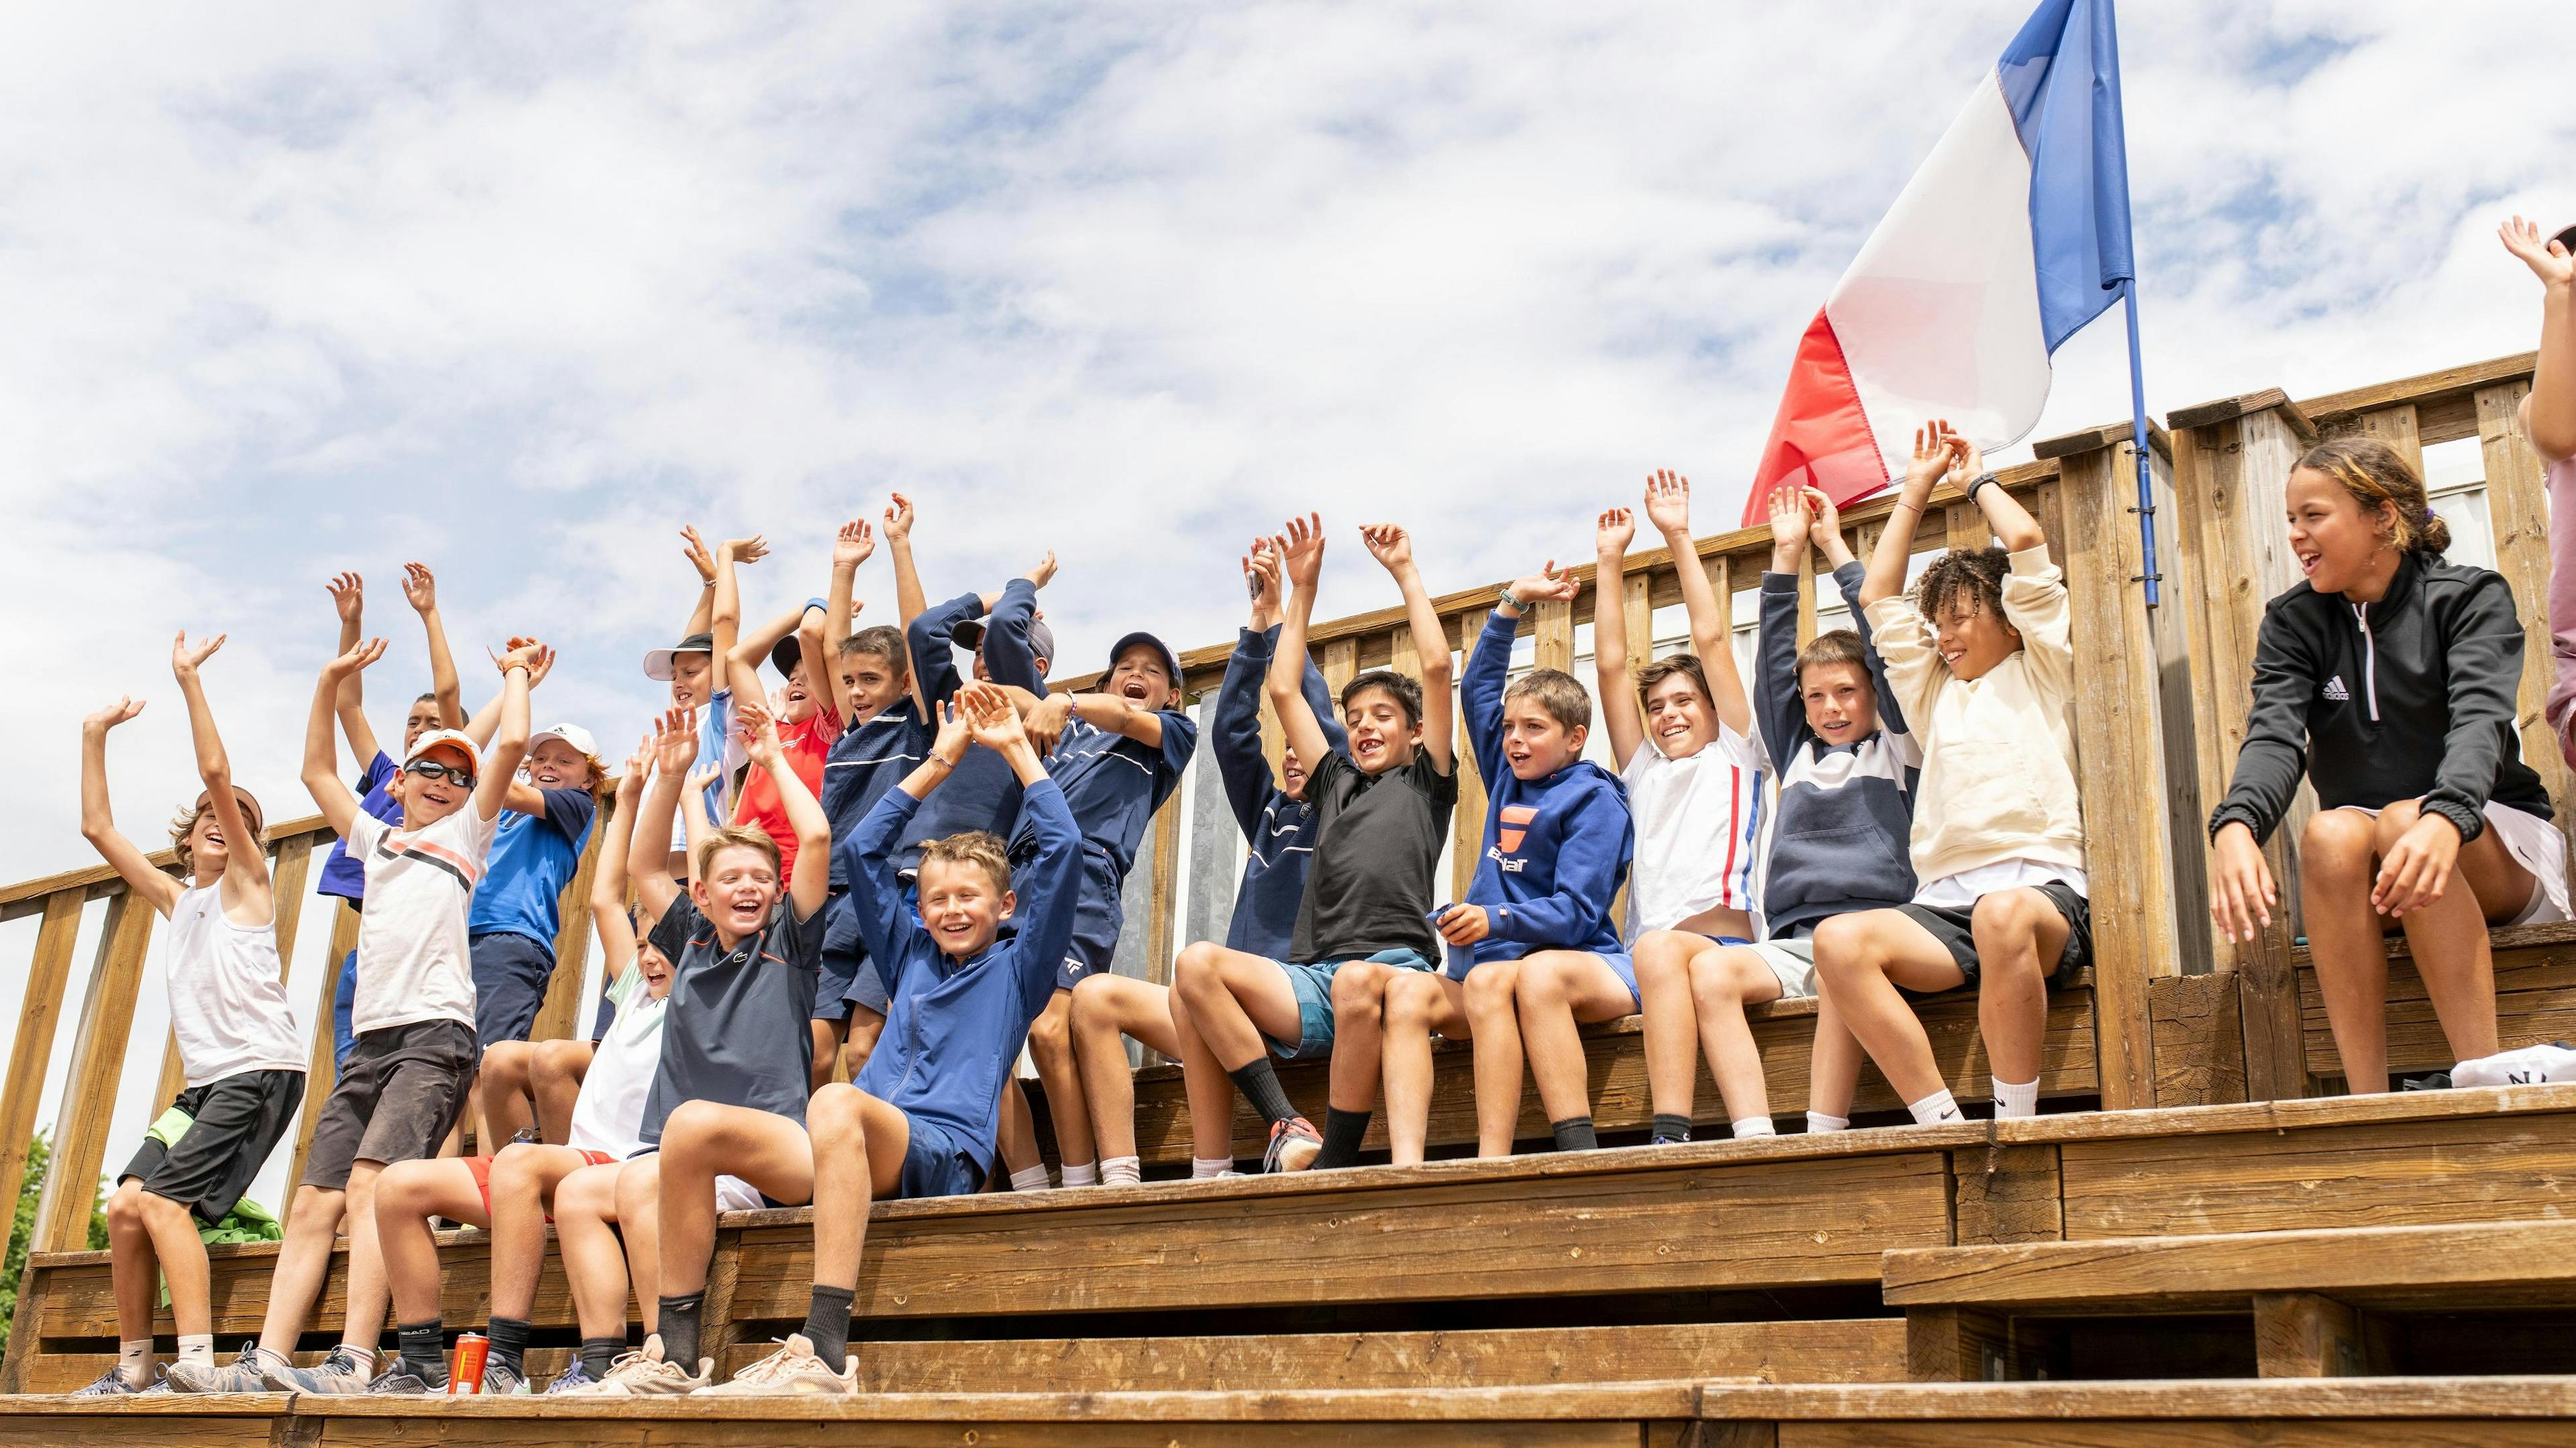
[533, 857]
[341, 875]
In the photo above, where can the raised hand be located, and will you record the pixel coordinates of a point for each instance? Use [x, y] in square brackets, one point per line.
[744, 550]
[1668, 503]
[1301, 550]
[854, 545]
[366, 652]
[694, 549]
[956, 732]
[184, 660]
[99, 721]
[1930, 459]
[1389, 544]
[1790, 520]
[989, 714]
[2546, 256]
[898, 518]
[630, 785]
[348, 596]
[1045, 724]
[1044, 571]
[420, 587]
[1828, 523]
[526, 653]
[1549, 584]
[758, 729]
[675, 741]
[1613, 531]
[1261, 579]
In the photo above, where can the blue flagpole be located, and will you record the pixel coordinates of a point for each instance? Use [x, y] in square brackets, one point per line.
[2146, 508]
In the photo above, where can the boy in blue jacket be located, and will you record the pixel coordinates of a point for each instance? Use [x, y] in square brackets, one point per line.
[966, 979]
[981, 795]
[1279, 827]
[1542, 953]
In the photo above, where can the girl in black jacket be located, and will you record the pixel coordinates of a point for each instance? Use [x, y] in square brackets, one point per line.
[2388, 679]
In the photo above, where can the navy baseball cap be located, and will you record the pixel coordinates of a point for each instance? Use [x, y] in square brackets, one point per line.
[787, 652]
[657, 664]
[1171, 661]
[2566, 237]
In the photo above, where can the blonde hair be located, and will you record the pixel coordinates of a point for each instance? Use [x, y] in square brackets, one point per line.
[2374, 473]
[972, 847]
[729, 837]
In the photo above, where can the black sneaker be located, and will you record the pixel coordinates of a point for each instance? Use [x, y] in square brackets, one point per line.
[500, 1380]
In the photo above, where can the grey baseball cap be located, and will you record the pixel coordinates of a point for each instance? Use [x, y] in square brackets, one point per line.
[969, 634]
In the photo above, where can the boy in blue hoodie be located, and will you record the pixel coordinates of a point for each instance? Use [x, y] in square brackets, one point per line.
[967, 978]
[1279, 827]
[1541, 951]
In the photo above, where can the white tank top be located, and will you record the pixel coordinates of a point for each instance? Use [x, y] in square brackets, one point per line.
[227, 994]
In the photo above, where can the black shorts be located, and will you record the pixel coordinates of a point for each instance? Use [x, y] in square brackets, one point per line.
[510, 975]
[848, 976]
[239, 1121]
[400, 1092]
[1950, 926]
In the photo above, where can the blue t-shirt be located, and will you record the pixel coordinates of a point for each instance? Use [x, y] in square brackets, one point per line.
[341, 875]
[532, 858]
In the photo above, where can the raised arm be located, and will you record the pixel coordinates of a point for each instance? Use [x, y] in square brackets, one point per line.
[1048, 885]
[321, 777]
[702, 613]
[1490, 666]
[98, 822]
[420, 589]
[348, 598]
[1886, 576]
[1611, 535]
[1392, 547]
[908, 599]
[608, 882]
[510, 739]
[809, 882]
[850, 549]
[1778, 707]
[648, 857]
[245, 853]
[1712, 619]
[742, 662]
[1008, 657]
[2550, 424]
[1301, 552]
[1234, 733]
[2012, 523]
[724, 614]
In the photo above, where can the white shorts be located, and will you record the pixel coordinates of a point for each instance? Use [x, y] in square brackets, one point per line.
[733, 1194]
[2537, 846]
[1793, 961]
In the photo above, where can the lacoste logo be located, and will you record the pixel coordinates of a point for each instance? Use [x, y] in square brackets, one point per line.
[1515, 826]
[2336, 692]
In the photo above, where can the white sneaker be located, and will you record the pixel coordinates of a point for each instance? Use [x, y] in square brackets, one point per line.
[792, 1370]
[645, 1375]
[2530, 1066]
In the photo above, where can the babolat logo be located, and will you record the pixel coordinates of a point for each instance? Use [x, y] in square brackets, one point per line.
[2336, 692]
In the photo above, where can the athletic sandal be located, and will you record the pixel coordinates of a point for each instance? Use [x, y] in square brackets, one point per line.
[1293, 1145]
[792, 1370]
[110, 1384]
[645, 1375]
[339, 1375]
[241, 1375]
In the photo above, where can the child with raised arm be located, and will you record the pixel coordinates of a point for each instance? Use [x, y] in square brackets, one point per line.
[441, 708]
[2548, 421]
[507, 1192]
[886, 737]
[407, 1076]
[693, 667]
[1279, 828]
[804, 716]
[243, 1062]
[1979, 663]
[981, 794]
[923, 1118]
[1364, 920]
[1533, 950]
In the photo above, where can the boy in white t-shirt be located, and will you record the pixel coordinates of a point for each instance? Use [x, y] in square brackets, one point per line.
[509, 1193]
[244, 1062]
[406, 1077]
[1694, 789]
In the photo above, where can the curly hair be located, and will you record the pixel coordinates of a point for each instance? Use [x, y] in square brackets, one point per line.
[973, 847]
[2377, 475]
[1971, 579]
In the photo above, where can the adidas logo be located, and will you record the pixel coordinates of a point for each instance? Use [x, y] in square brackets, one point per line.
[2336, 692]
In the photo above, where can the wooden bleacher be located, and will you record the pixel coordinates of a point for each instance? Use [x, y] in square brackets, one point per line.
[2174, 1263]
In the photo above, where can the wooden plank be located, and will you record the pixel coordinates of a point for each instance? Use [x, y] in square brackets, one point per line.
[98, 1061]
[2397, 427]
[31, 1054]
[1552, 630]
[1340, 663]
[1965, 526]
[2303, 1335]
[1163, 918]
[29, 896]
[2006, 1194]
[2119, 743]
[2422, 388]
[324, 1070]
[561, 1015]
[2200, 1043]
[2518, 513]
[1957, 1345]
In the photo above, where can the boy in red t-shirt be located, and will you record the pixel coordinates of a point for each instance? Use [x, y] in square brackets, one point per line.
[807, 723]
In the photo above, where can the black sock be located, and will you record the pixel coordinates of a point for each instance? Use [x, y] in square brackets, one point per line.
[598, 1354]
[424, 1351]
[1343, 1132]
[678, 1328]
[510, 1342]
[1260, 1086]
[1671, 1126]
[1574, 1133]
[827, 1324]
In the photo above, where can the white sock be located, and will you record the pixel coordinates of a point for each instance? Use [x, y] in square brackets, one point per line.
[1819, 1123]
[2012, 1101]
[275, 1359]
[1936, 1107]
[1031, 1179]
[134, 1359]
[1754, 1126]
[366, 1355]
[1204, 1168]
[197, 1347]
[1082, 1173]
[1121, 1171]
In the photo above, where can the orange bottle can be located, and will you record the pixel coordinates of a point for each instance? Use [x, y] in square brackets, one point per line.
[466, 1378]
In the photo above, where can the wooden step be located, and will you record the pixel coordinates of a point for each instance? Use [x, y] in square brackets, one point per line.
[2492, 1412]
[2535, 985]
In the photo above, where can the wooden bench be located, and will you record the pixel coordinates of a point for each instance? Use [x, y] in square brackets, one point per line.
[2505, 1412]
[2535, 986]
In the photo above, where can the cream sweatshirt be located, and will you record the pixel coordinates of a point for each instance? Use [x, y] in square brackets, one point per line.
[1998, 752]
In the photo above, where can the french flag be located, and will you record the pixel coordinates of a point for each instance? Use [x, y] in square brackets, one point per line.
[2013, 235]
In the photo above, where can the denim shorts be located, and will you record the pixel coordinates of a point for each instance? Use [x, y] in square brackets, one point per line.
[1313, 983]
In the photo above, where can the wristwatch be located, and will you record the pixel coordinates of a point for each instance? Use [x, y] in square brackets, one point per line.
[1981, 480]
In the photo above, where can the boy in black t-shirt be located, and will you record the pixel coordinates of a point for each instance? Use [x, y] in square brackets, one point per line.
[1365, 915]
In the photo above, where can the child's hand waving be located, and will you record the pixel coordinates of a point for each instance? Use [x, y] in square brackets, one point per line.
[1930, 460]
[420, 587]
[675, 741]
[348, 596]
[898, 518]
[694, 548]
[1389, 544]
[1039, 576]
[1967, 460]
[1790, 520]
[630, 784]
[759, 730]
[1668, 502]
[99, 721]
[1827, 523]
[1301, 548]
[1612, 532]
[990, 715]
[2546, 256]
[366, 652]
[956, 732]
[184, 660]
[854, 545]
[1550, 584]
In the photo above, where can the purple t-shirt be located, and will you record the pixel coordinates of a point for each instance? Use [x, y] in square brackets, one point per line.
[341, 875]
[2561, 708]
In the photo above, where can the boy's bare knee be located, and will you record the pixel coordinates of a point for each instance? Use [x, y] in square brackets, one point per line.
[836, 1119]
[1718, 978]
[1095, 1004]
[1542, 985]
[2006, 918]
[1493, 986]
[692, 1124]
[1196, 970]
[125, 1206]
[1847, 949]
[2392, 822]
[1411, 1001]
[1359, 985]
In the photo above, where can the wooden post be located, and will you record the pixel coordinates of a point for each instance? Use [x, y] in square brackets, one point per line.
[324, 1070]
[1341, 661]
[2400, 428]
[2518, 511]
[2303, 1335]
[1552, 624]
[2119, 742]
[98, 1062]
[559, 1015]
[1161, 927]
[40, 1011]
[1637, 614]
[1957, 1345]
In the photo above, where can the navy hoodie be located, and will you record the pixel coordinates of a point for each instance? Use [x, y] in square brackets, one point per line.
[1279, 831]
[955, 1027]
[980, 793]
[868, 759]
[1113, 784]
[1556, 850]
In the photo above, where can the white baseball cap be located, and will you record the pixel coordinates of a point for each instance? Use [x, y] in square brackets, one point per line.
[456, 739]
[572, 734]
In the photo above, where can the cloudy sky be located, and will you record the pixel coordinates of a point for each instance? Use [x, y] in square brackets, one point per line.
[518, 290]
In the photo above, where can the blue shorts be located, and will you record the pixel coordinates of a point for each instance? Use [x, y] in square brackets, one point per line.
[1098, 916]
[1313, 983]
[510, 975]
[848, 975]
[934, 1165]
[1620, 963]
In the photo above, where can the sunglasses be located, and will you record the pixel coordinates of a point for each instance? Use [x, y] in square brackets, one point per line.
[432, 769]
